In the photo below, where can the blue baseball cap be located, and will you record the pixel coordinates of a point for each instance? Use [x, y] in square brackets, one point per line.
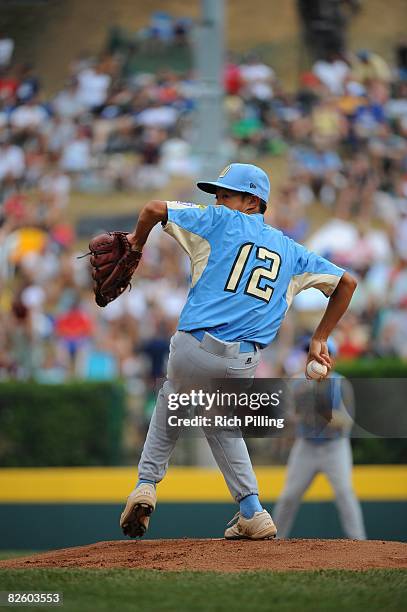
[245, 178]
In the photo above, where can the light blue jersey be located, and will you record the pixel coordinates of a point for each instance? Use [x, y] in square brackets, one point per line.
[245, 273]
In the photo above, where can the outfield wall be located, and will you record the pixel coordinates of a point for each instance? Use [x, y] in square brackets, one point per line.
[43, 508]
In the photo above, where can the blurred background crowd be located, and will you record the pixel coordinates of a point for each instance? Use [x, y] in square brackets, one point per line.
[341, 135]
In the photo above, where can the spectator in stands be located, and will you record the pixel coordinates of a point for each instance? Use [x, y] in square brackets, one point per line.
[29, 84]
[6, 50]
[67, 102]
[28, 118]
[93, 86]
[257, 78]
[76, 156]
[332, 72]
[12, 161]
[369, 66]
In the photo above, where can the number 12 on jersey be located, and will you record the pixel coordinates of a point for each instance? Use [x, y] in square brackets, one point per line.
[257, 274]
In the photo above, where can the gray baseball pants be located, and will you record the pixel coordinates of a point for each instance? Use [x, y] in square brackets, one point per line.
[306, 460]
[191, 362]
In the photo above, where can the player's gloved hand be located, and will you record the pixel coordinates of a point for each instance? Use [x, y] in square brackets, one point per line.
[113, 262]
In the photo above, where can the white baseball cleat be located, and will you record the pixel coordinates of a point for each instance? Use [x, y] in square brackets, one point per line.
[140, 505]
[259, 527]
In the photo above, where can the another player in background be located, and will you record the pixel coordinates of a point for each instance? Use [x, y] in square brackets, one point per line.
[245, 274]
[324, 416]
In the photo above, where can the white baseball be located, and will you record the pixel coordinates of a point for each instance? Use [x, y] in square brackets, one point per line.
[316, 370]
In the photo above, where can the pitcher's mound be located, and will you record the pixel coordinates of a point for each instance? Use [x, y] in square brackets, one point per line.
[223, 555]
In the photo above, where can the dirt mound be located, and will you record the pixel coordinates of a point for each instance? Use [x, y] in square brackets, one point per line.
[222, 555]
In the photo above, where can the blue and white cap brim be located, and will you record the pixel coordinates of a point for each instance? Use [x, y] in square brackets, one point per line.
[211, 187]
[243, 178]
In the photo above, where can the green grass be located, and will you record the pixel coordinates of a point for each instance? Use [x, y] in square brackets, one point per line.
[96, 590]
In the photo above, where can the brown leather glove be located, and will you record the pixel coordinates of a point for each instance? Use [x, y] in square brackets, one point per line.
[113, 264]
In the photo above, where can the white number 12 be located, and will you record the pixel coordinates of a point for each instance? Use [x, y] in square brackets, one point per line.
[259, 272]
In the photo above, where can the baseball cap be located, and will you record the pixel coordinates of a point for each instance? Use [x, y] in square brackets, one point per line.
[246, 178]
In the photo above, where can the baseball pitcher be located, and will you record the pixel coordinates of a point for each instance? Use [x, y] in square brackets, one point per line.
[244, 275]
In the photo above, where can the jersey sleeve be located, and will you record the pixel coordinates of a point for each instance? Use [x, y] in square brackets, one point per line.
[312, 270]
[190, 225]
[193, 218]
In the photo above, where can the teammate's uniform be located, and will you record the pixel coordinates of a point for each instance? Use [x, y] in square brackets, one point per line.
[244, 275]
[327, 451]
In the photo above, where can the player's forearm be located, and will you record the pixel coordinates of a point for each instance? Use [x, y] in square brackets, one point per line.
[154, 212]
[337, 306]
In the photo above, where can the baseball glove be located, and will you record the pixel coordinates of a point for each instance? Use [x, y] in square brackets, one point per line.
[113, 264]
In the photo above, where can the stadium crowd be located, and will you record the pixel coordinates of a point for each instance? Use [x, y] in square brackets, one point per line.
[343, 134]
